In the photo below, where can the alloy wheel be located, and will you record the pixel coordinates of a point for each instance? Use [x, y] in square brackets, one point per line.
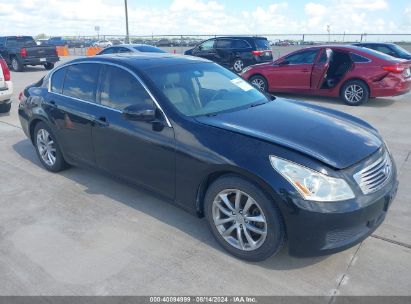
[239, 219]
[15, 64]
[238, 65]
[259, 83]
[46, 147]
[354, 93]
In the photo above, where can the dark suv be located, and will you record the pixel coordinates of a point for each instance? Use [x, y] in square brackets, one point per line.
[234, 52]
[386, 48]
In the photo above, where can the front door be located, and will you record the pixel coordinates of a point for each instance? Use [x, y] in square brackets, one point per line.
[206, 50]
[292, 73]
[138, 151]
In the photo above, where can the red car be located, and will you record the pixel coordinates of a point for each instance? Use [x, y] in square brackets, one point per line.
[354, 73]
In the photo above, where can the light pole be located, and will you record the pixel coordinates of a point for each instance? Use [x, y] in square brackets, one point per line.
[127, 33]
[329, 30]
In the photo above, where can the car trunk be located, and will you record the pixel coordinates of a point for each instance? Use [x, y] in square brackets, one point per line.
[263, 49]
[41, 51]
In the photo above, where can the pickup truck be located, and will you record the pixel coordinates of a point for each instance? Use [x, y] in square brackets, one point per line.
[20, 51]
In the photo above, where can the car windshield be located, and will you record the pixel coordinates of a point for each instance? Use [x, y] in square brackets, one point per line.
[148, 48]
[400, 50]
[204, 88]
[377, 54]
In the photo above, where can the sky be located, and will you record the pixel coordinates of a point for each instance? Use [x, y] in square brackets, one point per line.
[216, 17]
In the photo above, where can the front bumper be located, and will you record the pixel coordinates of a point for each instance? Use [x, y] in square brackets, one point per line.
[312, 233]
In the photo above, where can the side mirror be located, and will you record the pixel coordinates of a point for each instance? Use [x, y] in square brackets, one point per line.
[285, 62]
[140, 112]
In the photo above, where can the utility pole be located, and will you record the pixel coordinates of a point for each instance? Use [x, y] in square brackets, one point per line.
[329, 31]
[127, 33]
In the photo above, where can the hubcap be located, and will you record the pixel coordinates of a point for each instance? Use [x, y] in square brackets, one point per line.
[14, 64]
[354, 93]
[259, 83]
[46, 147]
[239, 219]
[238, 65]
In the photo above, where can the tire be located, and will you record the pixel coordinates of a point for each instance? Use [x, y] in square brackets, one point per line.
[16, 65]
[5, 107]
[260, 83]
[355, 92]
[59, 163]
[49, 66]
[238, 65]
[271, 233]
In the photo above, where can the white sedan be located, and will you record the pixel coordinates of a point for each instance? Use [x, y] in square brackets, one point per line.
[6, 87]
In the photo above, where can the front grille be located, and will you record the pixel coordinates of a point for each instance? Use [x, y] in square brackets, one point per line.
[375, 176]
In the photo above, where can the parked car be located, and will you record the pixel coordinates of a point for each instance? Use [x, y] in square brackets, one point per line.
[57, 41]
[20, 51]
[386, 48]
[262, 171]
[353, 73]
[102, 43]
[164, 42]
[75, 43]
[130, 48]
[234, 52]
[6, 87]
[41, 41]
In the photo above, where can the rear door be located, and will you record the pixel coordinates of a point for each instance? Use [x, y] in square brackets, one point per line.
[135, 150]
[293, 72]
[320, 68]
[223, 51]
[71, 106]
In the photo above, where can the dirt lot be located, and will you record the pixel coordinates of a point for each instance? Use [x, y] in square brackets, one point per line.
[81, 233]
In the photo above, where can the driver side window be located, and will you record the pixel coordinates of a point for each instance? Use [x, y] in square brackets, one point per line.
[304, 57]
[208, 45]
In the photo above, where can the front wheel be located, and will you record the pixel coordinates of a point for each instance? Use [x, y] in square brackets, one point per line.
[238, 65]
[355, 92]
[243, 220]
[47, 149]
[260, 83]
[48, 66]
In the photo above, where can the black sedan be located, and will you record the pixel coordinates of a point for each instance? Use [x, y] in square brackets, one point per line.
[386, 48]
[262, 170]
[131, 48]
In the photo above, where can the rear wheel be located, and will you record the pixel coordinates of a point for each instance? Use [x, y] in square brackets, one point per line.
[16, 65]
[5, 107]
[355, 92]
[260, 83]
[243, 220]
[47, 148]
[49, 66]
[238, 65]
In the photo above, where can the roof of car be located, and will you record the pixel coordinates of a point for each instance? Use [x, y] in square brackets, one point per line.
[143, 60]
[372, 43]
[239, 37]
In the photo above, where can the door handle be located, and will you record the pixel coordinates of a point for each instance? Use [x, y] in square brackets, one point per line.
[101, 121]
[51, 103]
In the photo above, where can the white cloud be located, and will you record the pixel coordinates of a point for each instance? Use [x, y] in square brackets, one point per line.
[208, 17]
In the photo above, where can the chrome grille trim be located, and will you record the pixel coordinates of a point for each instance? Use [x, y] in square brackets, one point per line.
[375, 176]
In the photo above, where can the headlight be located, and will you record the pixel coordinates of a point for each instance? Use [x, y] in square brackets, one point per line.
[312, 185]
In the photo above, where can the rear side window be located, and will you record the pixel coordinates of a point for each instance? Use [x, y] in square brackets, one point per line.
[81, 81]
[223, 44]
[148, 48]
[239, 44]
[305, 57]
[57, 80]
[20, 41]
[262, 44]
[120, 89]
[358, 58]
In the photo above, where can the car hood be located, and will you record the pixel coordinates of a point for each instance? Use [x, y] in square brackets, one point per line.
[335, 138]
